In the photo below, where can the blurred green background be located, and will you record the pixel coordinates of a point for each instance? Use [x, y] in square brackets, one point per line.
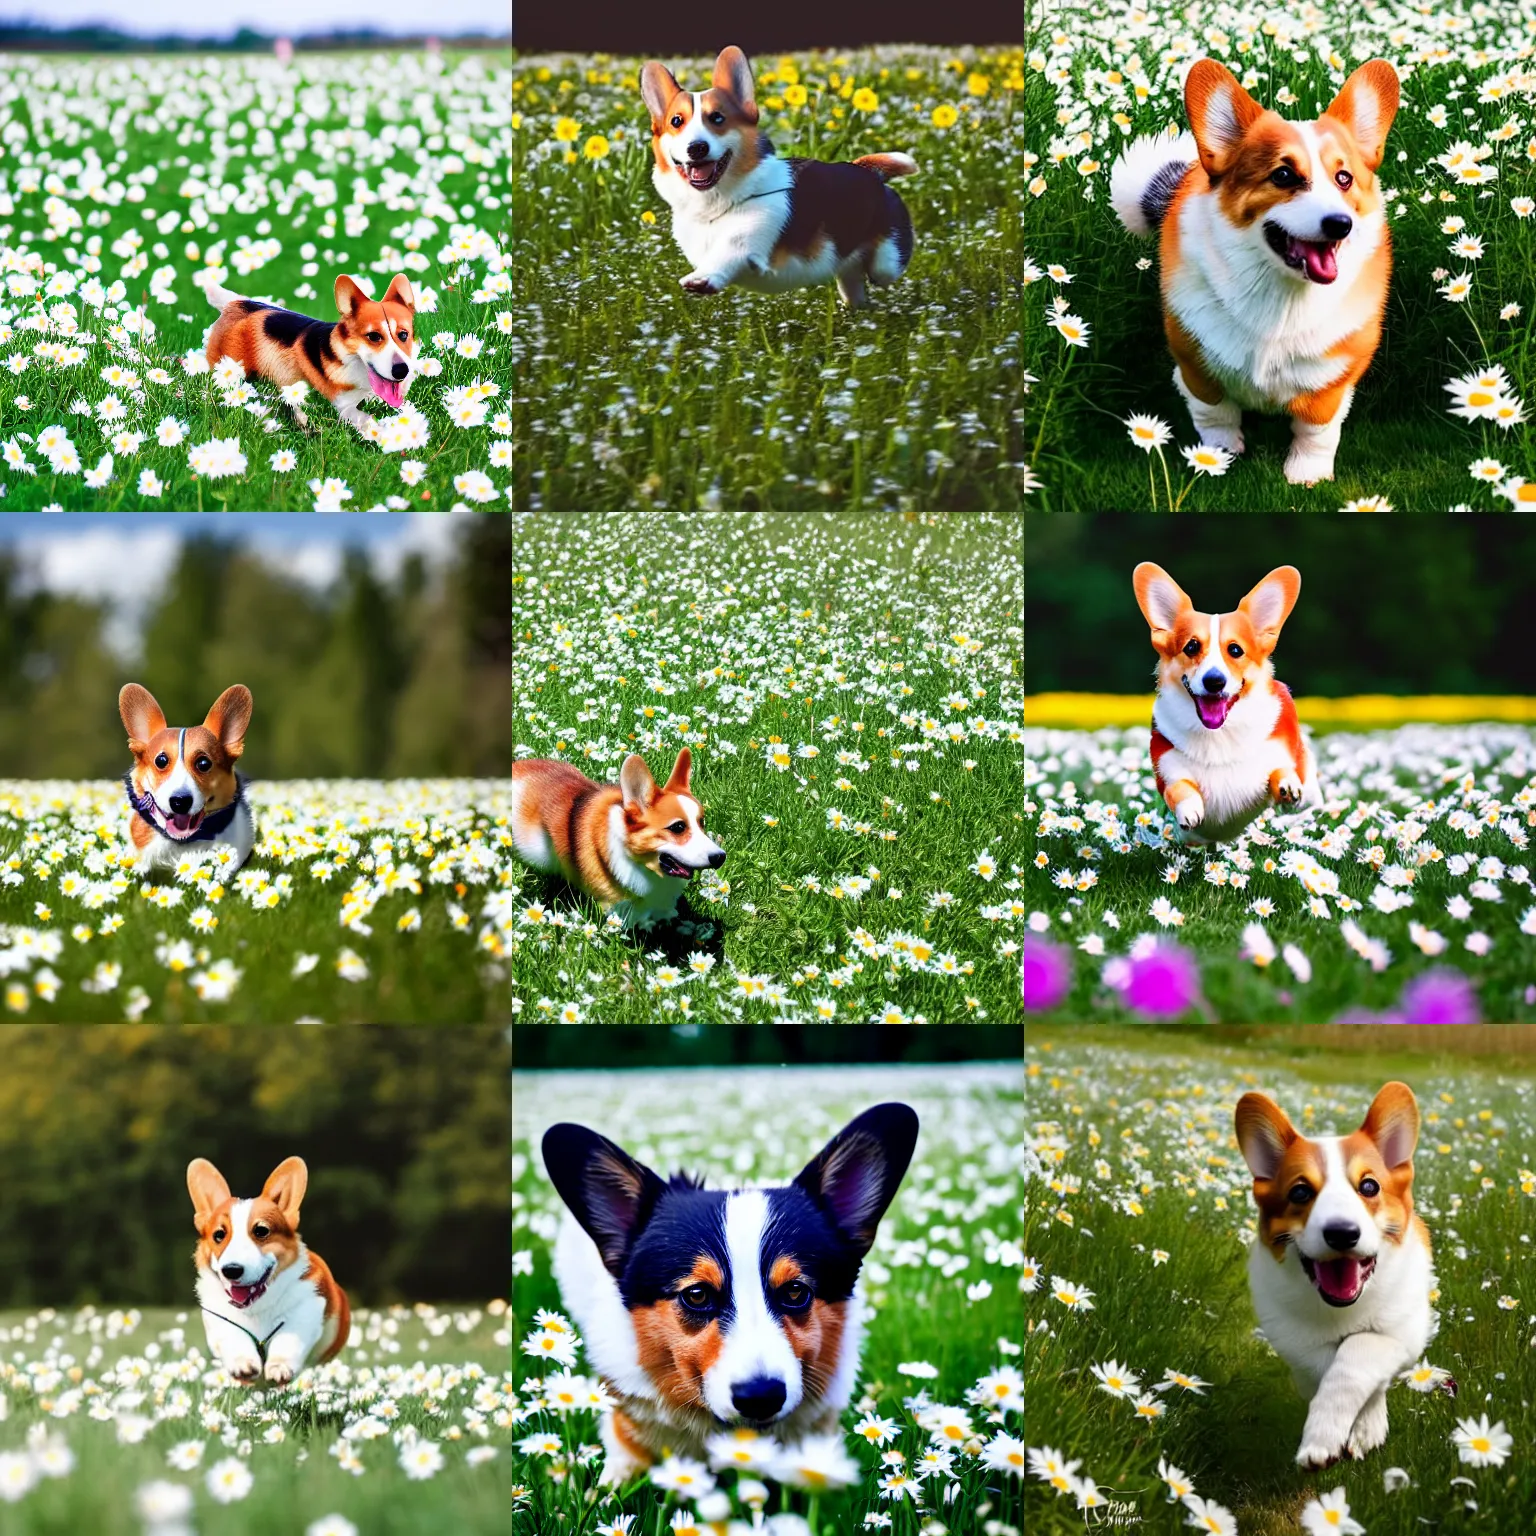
[1394, 604]
[405, 1133]
[370, 654]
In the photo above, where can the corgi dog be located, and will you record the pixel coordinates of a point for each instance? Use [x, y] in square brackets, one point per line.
[183, 789]
[1226, 742]
[270, 1306]
[631, 846]
[1275, 254]
[1341, 1272]
[370, 350]
[742, 215]
[705, 1311]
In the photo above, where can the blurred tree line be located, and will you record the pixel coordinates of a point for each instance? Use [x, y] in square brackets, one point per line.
[367, 680]
[405, 1132]
[1399, 604]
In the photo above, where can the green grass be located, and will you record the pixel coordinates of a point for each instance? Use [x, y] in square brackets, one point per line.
[1411, 797]
[851, 649]
[119, 1390]
[415, 183]
[631, 392]
[1146, 1114]
[110, 944]
[1399, 441]
[963, 1177]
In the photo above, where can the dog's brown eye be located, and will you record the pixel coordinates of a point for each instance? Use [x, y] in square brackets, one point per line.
[1369, 1187]
[1284, 176]
[1193, 648]
[218, 1235]
[677, 121]
[1234, 650]
[404, 337]
[717, 118]
[162, 761]
[697, 1297]
[375, 337]
[795, 1294]
[260, 1229]
[203, 764]
[678, 828]
[1344, 179]
[1300, 1194]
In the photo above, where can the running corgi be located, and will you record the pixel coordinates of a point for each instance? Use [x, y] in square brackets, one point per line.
[744, 216]
[1341, 1272]
[183, 789]
[630, 846]
[371, 350]
[1275, 254]
[1226, 742]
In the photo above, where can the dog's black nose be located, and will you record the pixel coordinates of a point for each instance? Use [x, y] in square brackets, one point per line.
[717, 858]
[1337, 225]
[1213, 681]
[1341, 1236]
[400, 370]
[698, 150]
[758, 1398]
[232, 1271]
[181, 805]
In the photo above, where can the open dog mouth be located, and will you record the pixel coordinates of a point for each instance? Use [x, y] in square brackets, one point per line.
[674, 867]
[244, 1295]
[701, 175]
[182, 826]
[1338, 1281]
[390, 391]
[1317, 259]
[1213, 708]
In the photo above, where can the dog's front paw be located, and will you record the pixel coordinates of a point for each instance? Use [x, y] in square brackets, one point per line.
[1287, 790]
[1230, 438]
[1319, 1451]
[279, 1372]
[244, 1368]
[702, 283]
[1370, 1429]
[1303, 468]
[1190, 812]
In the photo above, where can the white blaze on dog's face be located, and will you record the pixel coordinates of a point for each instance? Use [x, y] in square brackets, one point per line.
[664, 828]
[1337, 1201]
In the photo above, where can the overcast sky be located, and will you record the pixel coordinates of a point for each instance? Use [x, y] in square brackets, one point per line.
[295, 17]
[124, 558]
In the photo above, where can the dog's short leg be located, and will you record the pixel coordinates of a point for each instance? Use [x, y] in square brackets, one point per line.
[1362, 1369]
[1218, 424]
[620, 1463]
[1370, 1428]
[1185, 801]
[1317, 421]
[850, 283]
[1285, 788]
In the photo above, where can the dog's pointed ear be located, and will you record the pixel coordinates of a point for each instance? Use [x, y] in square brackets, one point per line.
[229, 718]
[1161, 599]
[657, 88]
[734, 74]
[1263, 1133]
[1220, 113]
[348, 296]
[285, 1187]
[400, 292]
[1269, 605]
[1366, 104]
[607, 1191]
[1392, 1122]
[141, 716]
[856, 1175]
[635, 781]
[677, 783]
[207, 1187]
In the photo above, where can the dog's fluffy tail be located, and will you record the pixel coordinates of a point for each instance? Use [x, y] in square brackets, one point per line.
[1145, 177]
[219, 297]
[888, 165]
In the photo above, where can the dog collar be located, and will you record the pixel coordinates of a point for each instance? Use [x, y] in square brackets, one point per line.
[261, 1344]
[211, 826]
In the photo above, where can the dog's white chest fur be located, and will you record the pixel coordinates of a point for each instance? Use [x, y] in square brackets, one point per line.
[162, 852]
[288, 1320]
[720, 230]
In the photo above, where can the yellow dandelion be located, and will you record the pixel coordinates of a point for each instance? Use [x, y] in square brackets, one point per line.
[944, 116]
[795, 95]
[865, 100]
[596, 148]
[978, 85]
[566, 129]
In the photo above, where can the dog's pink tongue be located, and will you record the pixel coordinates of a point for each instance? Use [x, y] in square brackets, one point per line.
[181, 823]
[1339, 1278]
[1212, 711]
[1321, 261]
[240, 1294]
[388, 390]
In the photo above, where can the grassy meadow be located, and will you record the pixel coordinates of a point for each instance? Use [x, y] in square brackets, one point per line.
[132, 183]
[630, 392]
[850, 690]
[363, 901]
[1137, 1197]
[1407, 897]
[112, 1422]
[1459, 179]
[942, 1280]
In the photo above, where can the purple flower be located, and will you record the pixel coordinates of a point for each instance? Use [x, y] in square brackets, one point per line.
[1440, 996]
[1047, 973]
[1163, 983]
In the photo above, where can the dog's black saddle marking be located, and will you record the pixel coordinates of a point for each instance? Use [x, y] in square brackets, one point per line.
[1160, 190]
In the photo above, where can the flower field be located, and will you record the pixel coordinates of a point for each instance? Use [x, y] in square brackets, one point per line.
[368, 902]
[1150, 1397]
[131, 185]
[1440, 420]
[629, 392]
[850, 690]
[932, 1438]
[113, 1423]
[1406, 898]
